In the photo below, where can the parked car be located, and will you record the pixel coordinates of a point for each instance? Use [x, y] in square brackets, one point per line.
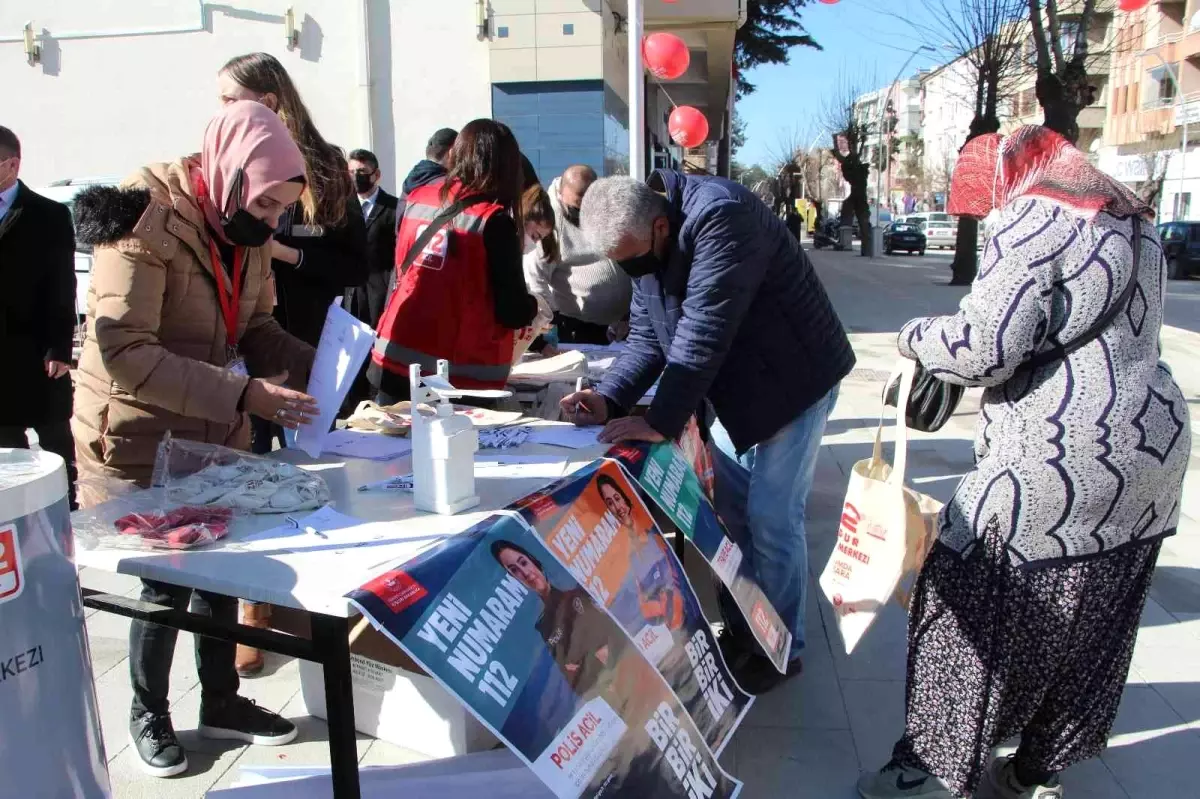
[903, 236]
[65, 191]
[940, 228]
[1181, 246]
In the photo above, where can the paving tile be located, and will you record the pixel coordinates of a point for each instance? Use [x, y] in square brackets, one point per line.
[1149, 745]
[311, 747]
[812, 701]
[876, 711]
[882, 652]
[797, 764]
[382, 753]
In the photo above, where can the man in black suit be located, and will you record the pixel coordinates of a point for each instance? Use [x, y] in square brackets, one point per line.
[381, 214]
[37, 313]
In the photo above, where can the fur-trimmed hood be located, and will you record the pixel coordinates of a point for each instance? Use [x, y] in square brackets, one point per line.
[108, 214]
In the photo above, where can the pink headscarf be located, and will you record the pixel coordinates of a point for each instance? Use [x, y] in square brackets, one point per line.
[1034, 161]
[246, 146]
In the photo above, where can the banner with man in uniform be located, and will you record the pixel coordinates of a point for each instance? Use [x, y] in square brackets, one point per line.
[595, 522]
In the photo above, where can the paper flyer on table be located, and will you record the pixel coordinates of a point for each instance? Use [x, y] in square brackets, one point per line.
[671, 485]
[344, 346]
[596, 524]
[494, 617]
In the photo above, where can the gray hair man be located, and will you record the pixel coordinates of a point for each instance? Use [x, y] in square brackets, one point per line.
[727, 313]
[588, 293]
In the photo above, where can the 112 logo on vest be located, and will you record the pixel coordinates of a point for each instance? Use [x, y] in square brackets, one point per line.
[434, 254]
[11, 578]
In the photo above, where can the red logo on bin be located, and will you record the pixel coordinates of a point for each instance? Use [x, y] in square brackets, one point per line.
[11, 579]
[397, 589]
[850, 518]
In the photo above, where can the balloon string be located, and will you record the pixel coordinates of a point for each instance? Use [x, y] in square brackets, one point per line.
[664, 91]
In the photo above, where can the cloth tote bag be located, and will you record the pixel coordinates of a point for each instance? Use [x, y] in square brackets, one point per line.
[884, 533]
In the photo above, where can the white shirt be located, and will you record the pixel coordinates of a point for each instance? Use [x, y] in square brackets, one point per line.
[369, 202]
[7, 197]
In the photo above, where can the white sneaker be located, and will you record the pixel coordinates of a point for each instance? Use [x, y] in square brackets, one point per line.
[894, 781]
[1000, 782]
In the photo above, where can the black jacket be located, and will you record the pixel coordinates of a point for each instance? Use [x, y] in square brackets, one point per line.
[333, 260]
[366, 301]
[37, 308]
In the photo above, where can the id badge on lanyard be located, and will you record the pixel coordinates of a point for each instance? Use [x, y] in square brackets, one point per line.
[229, 307]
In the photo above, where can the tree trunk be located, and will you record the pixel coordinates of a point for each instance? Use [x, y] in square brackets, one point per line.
[1061, 100]
[966, 256]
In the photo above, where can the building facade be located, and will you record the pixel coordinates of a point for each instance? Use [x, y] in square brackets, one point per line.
[115, 85]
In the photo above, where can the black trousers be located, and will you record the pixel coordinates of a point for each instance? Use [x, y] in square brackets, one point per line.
[152, 649]
[53, 437]
[263, 434]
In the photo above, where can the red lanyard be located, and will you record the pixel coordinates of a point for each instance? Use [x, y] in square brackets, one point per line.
[229, 304]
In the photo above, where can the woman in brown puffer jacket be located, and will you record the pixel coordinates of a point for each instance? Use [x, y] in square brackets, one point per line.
[180, 338]
[157, 355]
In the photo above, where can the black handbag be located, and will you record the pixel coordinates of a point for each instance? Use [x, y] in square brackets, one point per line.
[933, 401]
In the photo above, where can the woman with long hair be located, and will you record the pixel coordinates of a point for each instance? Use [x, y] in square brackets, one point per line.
[538, 214]
[460, 291]
[181, 339]
[1024, 616]
[319, 249]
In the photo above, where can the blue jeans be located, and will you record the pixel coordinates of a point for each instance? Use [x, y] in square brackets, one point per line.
[761, 496]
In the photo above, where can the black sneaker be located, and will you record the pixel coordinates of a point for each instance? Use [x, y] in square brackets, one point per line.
[241, 719]
[753, 671]
[154, 740]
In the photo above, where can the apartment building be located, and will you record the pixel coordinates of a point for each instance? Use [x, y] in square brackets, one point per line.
[110, 86]
[893, 114]
[1155, 82]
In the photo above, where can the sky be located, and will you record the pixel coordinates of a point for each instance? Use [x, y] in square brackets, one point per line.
[860, 40]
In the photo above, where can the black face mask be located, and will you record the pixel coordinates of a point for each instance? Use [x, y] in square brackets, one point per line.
[245, 230]
[571, 214]
[642, 265]
[364, 183]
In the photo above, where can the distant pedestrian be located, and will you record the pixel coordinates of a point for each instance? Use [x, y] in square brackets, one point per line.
[37, 312]
[1024, 616]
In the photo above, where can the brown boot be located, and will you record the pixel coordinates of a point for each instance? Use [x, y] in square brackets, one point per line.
[250, 661]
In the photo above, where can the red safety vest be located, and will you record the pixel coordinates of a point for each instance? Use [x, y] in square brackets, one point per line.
[442, 306]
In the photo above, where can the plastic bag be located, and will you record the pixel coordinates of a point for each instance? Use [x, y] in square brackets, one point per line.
[194, 473]
[197, 491]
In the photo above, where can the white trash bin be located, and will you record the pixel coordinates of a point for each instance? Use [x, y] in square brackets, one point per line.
[50, 741]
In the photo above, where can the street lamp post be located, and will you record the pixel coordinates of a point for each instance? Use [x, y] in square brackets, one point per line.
[1183, 114]
[882, 109]
[637, 93]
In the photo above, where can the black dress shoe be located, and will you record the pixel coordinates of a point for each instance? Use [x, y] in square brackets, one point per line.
[159, 752]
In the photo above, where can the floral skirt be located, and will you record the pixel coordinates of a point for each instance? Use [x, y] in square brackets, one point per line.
[995, 651]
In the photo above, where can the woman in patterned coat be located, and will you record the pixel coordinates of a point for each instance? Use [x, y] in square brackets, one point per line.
[1026, 611]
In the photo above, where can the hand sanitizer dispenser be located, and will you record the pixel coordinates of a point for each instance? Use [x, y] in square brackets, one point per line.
[444, 446]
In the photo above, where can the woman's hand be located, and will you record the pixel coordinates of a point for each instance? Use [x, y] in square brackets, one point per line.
[266, 398]
[282, 252]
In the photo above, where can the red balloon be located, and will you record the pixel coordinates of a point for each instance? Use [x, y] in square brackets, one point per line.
[688, 126]
[831, 2]
[665, 55]
[1132, 5]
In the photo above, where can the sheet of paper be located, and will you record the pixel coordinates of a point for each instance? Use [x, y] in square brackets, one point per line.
[333, 530]
[519, 467]
[344, 346]
[593, 348]
[372, 446]
[567, 436]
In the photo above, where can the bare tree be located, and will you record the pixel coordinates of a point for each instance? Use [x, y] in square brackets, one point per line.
[987, 35]
[1062, 32]
[851, 129]
[1151, 187]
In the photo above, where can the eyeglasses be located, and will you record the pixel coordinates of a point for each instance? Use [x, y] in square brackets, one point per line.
[367, 172]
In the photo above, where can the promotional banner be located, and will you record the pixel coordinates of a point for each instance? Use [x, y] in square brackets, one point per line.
[667, 477]
[504, 626]
[596, 524]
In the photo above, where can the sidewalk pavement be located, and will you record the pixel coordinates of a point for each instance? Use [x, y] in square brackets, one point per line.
[810, 738]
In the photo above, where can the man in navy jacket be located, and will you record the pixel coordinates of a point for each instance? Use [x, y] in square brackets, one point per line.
[728, 316]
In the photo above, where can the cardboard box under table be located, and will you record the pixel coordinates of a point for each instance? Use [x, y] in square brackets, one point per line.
[394, 699]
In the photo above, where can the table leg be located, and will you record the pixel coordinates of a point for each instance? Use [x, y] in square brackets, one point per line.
[330, 637]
